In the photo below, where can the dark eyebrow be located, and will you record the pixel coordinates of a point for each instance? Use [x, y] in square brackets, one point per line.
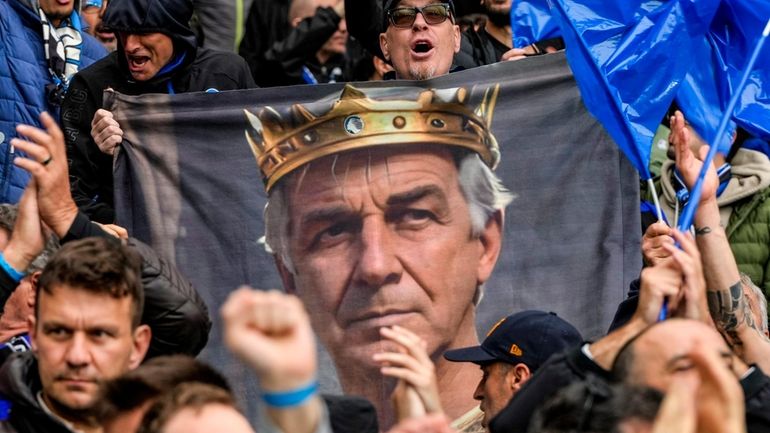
[323, 215]
[416, 194]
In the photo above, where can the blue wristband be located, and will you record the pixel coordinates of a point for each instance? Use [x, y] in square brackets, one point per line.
[13, 273]
[291, 398]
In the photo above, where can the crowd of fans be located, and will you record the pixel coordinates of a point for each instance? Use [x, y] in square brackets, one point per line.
[100, 333]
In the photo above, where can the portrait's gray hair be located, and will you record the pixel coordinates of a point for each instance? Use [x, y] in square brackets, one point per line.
[480, 186]
[761, 301]
[8, 215]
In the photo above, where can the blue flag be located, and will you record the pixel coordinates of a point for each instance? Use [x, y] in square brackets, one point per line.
[720, 61]
[531, 21]
[704, 93]
[629, 58]
[734, 33]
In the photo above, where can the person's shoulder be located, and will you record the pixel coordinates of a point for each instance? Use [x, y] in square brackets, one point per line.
[105, 66]
[92, 50]
[217, 58]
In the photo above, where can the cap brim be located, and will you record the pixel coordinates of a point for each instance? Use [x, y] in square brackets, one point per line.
[469, 354]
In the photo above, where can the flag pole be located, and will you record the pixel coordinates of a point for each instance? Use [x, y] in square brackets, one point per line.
[689, 210]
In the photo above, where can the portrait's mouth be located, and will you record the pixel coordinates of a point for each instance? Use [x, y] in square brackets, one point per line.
[76, 382]
[378, 319]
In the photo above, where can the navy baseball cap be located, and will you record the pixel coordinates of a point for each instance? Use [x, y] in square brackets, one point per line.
[529, 337]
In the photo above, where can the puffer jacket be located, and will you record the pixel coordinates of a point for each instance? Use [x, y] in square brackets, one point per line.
[23, 79]
[198, 70]
[744, 208]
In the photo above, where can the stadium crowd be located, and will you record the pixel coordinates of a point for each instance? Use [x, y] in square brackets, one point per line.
[100, 332]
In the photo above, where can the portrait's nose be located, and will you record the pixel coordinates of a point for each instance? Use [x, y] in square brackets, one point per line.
[378, 263]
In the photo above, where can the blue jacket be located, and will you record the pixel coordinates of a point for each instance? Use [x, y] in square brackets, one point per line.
[23, 77]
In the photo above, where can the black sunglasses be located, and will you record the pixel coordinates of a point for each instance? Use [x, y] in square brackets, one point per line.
[433, 14]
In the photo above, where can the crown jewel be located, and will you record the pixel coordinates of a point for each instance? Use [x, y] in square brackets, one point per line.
[284, 142]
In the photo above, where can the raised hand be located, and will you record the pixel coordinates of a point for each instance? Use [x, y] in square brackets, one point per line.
[270, 331]
[414, 370]
[47, 163]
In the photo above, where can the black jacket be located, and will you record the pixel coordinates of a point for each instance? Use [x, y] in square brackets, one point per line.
[282, 63]
[266, 24]
[19, 385]
[199, 70]
[173, 309]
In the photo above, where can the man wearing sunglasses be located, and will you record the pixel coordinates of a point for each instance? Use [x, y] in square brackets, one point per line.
[420, 38]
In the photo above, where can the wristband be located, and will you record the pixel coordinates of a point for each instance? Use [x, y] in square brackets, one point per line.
[13, 273]
[290, 398]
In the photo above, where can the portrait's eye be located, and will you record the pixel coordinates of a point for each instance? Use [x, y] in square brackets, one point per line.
[333, 234]
[414, 218]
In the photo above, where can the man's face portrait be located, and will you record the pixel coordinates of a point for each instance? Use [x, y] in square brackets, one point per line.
[81, 338]
[383, 236]
[421, 50]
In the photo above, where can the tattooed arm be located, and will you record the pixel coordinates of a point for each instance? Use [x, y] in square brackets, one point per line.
[727, 302]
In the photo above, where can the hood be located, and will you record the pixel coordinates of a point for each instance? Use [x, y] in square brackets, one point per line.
[170, 17]
[19, 381]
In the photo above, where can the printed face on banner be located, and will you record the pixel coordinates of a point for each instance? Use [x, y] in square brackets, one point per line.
[383, 237]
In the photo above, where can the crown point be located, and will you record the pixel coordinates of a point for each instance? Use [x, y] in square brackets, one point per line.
[350, 92]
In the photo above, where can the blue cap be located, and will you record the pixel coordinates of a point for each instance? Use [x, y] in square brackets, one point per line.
[529, 337]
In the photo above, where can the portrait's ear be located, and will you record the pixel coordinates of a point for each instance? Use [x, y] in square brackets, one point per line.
[490, 243]
[287, 278]
[384, 46]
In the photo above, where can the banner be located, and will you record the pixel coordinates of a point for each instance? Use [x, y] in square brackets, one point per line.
[187, 183]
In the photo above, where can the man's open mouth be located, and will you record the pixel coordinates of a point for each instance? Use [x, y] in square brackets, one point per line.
[422, 46]
[135, 62]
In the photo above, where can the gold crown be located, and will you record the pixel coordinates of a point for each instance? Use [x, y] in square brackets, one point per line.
[284, 142]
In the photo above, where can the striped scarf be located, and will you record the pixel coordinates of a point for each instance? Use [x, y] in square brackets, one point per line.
[62, 52]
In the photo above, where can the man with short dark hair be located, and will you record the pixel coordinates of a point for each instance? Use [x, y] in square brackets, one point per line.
[513, 350]
[85, 330]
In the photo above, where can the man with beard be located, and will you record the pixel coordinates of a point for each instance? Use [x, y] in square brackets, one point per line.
[489, 44]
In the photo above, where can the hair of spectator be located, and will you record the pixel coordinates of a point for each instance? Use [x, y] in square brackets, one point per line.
[193, 396]
[761, 302]
[479, 185]
[156, 376]
[596, 407]
[97, 265]
[8, 214]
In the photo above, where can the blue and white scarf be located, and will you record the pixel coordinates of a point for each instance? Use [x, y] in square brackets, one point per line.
[62, 52]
